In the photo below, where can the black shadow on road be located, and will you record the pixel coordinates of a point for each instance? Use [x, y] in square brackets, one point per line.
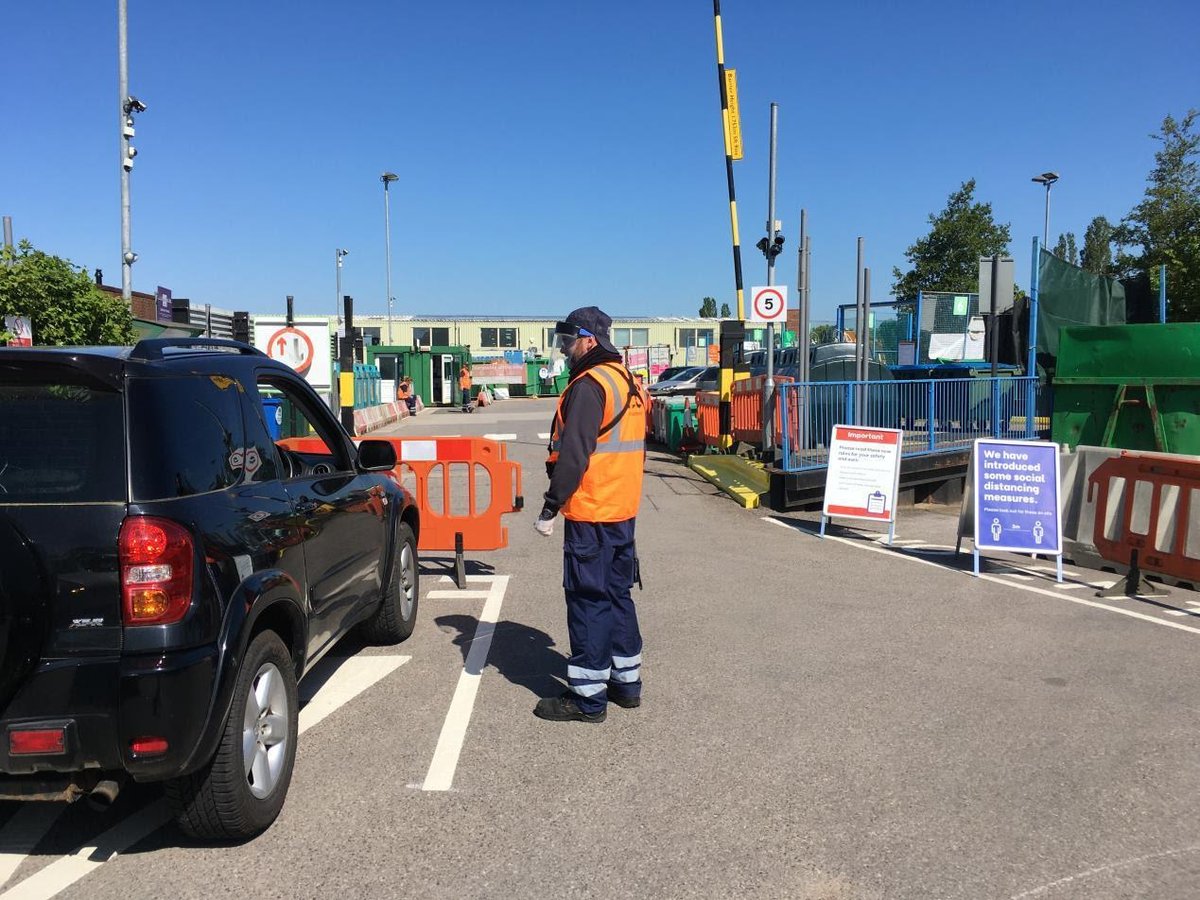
[430, 566]
[523, 655]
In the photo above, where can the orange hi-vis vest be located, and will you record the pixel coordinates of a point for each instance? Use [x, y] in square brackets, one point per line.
[611, 488]
[464, 380]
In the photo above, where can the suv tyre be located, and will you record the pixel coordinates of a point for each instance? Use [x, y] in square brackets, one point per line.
[240, 793]
[397, 613]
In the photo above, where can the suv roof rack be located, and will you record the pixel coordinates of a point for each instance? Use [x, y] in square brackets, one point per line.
[160, 348]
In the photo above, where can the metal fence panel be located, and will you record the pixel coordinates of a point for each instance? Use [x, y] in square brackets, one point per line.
[936, 415]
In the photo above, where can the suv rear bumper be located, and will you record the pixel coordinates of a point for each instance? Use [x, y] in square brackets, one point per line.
[106, 704]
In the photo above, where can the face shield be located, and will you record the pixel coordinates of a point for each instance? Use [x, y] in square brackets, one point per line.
[566, 334]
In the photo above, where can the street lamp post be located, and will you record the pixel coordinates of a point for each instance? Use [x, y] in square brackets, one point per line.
[128, 106]
[1046, 178]
[337, 304]
[387, 178]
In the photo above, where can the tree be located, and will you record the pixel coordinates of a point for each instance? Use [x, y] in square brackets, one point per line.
[1065, 248]
[822, 334]
[1164, 229]
[63, 305]
[1097, 247]
[725, 313]
[708, 308]
[947, 259]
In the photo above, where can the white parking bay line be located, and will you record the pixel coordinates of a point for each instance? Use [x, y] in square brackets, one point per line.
[352, 676]
[23, 831]
[501, 437]
[64, 872]
[333, 683]
[543, 435]
[870, 546]
[458, 595]
[454, 730]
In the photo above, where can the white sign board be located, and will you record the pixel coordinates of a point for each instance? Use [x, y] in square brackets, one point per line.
[863, 476]
[768, 304]
[304, 346]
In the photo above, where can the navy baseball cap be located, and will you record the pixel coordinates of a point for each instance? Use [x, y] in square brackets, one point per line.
[588, 321]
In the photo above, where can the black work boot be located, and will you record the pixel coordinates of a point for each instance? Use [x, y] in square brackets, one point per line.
[564, 709]
[624, 702]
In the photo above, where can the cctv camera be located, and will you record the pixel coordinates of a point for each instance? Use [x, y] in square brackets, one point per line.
[134, 104]
[130, 258]
[127, 132]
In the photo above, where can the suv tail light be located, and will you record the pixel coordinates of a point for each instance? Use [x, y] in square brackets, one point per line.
[156, 570]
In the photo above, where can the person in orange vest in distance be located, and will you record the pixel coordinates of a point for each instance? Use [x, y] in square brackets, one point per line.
[464, 385]
[597, 447]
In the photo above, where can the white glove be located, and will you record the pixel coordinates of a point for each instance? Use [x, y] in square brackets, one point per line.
[544, 527]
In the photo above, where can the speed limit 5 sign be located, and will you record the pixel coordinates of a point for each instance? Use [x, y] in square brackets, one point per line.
[768, 304]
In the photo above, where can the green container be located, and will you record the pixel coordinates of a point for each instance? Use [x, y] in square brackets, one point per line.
[1135, 387]
[669, 429]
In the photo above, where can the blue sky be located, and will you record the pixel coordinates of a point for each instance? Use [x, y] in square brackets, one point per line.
[556, 154]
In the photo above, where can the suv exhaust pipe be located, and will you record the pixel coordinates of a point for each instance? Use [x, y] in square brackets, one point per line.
[103, 795]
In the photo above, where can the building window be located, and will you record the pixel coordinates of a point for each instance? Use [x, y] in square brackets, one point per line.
[695, 337]
[498, 338]
[631, 337]
[431, 337]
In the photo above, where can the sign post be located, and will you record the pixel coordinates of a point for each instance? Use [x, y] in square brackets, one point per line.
[1017, 500]
[863, 476]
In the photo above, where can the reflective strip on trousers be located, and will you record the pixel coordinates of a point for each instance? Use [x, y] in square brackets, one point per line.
[588, 674]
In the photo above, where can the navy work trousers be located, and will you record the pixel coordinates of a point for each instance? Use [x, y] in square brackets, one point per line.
[606, 645]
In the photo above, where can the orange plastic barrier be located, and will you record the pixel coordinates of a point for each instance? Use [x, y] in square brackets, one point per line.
[746, 408]
[1158, 472]
[708, 412]
[450, 521]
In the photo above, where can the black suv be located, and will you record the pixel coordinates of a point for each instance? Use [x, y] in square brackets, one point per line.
[170, 568]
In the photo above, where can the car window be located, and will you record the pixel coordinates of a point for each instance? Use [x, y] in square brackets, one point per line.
[60, 442]
[302, 427]
[186, 435]
[261, 462]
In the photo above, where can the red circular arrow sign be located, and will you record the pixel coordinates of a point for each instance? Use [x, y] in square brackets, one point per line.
[292, 347]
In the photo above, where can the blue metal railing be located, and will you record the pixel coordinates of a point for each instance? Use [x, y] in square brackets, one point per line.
[937, 415]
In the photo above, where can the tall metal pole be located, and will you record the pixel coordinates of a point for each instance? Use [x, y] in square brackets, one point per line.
[124, 114]
[804, 371]
[860, 339]
[387, 178]
[1046, 225]
[768, 415]
[337, 306]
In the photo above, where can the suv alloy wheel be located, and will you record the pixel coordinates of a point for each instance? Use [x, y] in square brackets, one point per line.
[239, 794]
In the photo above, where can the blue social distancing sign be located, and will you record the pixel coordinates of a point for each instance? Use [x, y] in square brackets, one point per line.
[1016, 488]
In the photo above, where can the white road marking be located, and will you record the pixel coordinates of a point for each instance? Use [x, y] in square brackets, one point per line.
[64, 872]
[350, 677]
[353, 675]
[24, 831]
[458, 595]
[501, 437]
[543, 435]
[1194, 611]
[440, 776]
[871, 547]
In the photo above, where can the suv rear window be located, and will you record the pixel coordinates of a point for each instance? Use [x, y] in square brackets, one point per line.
[60, 442]
[186, 435]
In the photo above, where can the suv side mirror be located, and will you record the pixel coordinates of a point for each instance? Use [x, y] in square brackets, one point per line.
[376, 456]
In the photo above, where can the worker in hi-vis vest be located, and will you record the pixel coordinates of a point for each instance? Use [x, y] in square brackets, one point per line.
[464, 385]
[597, 450]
